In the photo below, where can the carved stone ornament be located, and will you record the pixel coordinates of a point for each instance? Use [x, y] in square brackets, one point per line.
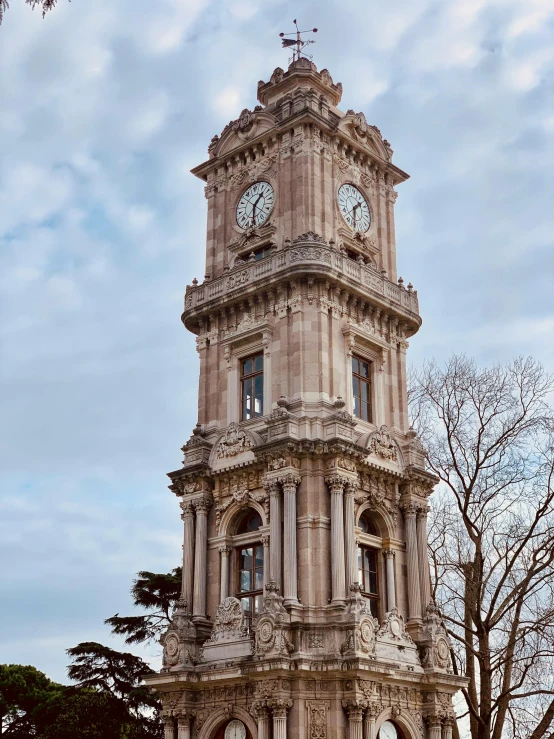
[309, 236]
[317, 719]
[382, 444]
[272, 636]
[179, 650]
[393, 627]
[234, 442]
[435, 645]
[229, 622]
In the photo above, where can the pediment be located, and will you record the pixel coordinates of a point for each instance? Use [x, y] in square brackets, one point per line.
[383, 449]
[357, 127]
[248, 126]
[234, 446]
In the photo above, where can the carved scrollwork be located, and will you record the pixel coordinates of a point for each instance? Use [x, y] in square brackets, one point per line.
[235, 441]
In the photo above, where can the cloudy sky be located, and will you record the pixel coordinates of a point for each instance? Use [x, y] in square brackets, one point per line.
[105, 107]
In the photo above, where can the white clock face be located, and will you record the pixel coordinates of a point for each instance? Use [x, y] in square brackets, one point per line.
[388, 731]
[235, 730]
[354, 208]
[255, 205]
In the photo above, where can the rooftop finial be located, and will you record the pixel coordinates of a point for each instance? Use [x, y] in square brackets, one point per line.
[298, 42]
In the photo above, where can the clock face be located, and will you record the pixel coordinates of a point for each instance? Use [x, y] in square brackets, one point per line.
[235, 730]
[354, 208]
[388, 731]
[255, 205]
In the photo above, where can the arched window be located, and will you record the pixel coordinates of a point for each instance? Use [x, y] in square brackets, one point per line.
[369, 563]
[249, 566]
[390, 730]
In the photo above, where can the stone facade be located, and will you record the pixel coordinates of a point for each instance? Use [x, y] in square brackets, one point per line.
[320, 657]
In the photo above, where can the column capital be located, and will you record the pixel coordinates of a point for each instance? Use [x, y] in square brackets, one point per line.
[373, 710]
[259, 709]
[187, 508]
[225, 551]
[271, 486]
[280, 706]
[354, 709]
[422, 512]
[389, 553]
[289, 481]
[409, 509]
[337, 483]
[433, 719]
[203, 504]
[183, 719]
[265, 540]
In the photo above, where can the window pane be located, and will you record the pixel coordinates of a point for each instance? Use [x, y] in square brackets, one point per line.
[355, 367]
[247, 367]
[258, 406]
[247, 388]
[365, 391]
[364, 369]
[245, 581]
[259, 363]
[356, 387]
[259, 385]
[365, 412]
[357, 412]
[259, 556]
[246, 606]
[373, 607]
[372, 583]
[245, 559]
[259, 603]
[259, 579]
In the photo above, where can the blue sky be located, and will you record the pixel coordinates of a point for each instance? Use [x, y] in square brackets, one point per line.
[106, 106]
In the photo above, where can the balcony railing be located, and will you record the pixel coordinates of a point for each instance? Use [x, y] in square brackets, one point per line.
[314, 258]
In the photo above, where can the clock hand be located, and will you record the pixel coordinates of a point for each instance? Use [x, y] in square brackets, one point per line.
[254, 208]
[354, 213]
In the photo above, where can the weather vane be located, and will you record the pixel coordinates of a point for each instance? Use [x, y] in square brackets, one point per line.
[298, 42]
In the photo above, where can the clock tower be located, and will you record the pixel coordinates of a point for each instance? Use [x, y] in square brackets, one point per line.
[306, 604]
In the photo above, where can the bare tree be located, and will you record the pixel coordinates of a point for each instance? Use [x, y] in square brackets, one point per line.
[489, 435]
[46, 5]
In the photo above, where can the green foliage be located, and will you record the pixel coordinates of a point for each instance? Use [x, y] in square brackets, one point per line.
[116, 673]
[156, 593]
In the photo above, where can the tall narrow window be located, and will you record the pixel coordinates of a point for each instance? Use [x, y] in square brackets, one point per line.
[361, 388]
[367, 577]
[250, 570]
[252, 386]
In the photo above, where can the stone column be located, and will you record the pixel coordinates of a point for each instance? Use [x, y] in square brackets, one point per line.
[272, 487]
[265, 542]
[355, 713]
[373, 710]
[188, 553]
[183, 726]
[338, 592]
[349, 538]
[424, 574]
[414, 596]
[279, 708]
[391, 592]
[224, 583]
[433, 726]
[202, 506]
[262, 719]
[169, 727]
[290, 575]
[447, 727]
